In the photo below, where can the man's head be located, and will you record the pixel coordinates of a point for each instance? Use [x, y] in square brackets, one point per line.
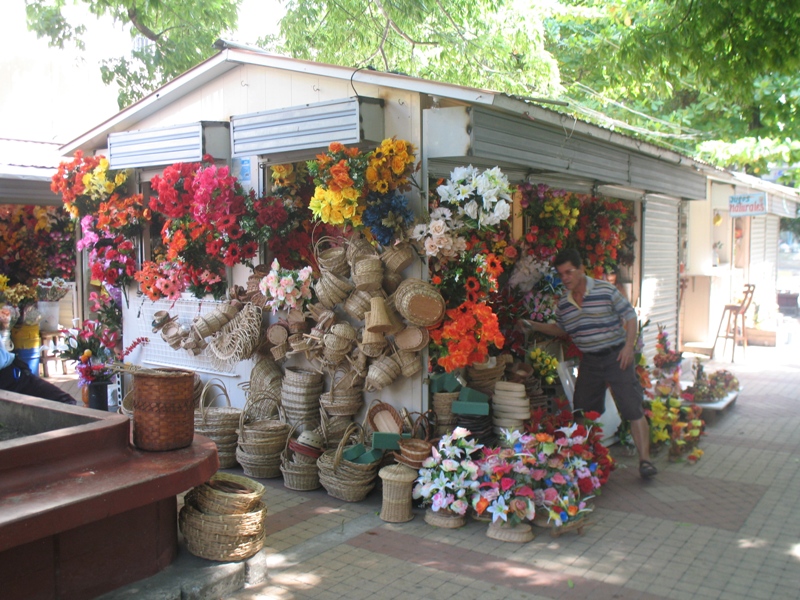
[569, 265]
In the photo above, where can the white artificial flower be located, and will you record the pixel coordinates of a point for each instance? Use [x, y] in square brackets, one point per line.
[471, 209]
[420, 231]
[441, 212]
[431, 247]
[502, 210]
[437, 227]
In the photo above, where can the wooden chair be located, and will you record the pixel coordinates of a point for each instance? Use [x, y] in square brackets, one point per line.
[733, 316]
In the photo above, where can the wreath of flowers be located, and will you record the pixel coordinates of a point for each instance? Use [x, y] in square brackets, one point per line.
[482, 199]
[339, 176]
[85, 182]
[466, 334]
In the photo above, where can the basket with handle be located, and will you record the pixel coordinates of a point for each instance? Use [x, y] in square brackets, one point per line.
[368, 273]
[263, 437]
[163, 409]
[298, 475]
[399, 257]
[344, 479]
[358, 303]
[358, 247]
[382, 373]
[409, 362]
[391, 281]
[341, 400]
[218, 423]
[384, 417]
[334, 257]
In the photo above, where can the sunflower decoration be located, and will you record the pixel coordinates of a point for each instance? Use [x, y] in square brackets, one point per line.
[390, 166]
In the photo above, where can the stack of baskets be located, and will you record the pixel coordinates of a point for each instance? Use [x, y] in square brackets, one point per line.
[344, 479]
[260, 445]
[300, 396]
[382, 373]
[300, 471]
[224, 519]
[483, 376]
[344, 398]
[443, 407]
[219, 423]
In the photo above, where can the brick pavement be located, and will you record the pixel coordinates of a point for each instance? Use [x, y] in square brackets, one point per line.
[727, 527]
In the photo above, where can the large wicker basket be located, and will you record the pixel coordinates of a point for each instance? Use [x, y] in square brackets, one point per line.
[163, 409]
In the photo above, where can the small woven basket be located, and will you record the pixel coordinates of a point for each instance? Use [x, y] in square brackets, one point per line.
[163, 409]
[409, 362]
[358, 247]
[391, 281]
[368, 273]
[277, 333]
[382, 373]
[398, 481]
[412, 339]
[384, 417]
[358, 303]
[334, 257]
[260, 466]
[414, 449]
[228, 494]
[399, 257]
[419, 302]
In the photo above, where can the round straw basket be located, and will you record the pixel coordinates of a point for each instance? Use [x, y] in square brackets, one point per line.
[414, 449]
[368, 273]
[260, 466]
[412, 339]
[332, 289]
[419, 302]
[223, 537]
[391, 281]
[347, 402]
[409, 363]
[359, 247]
[382, 373]
[217, 319]
[266, 437]
[277, 333]
[163, 409]
[222, 420]
[399, 257]
[444, 519]
[228, 494]
[249, 523]
[384, 417]
[228, 309]
[334, 357]
[337, 343]
[279, 352]
[299, 477]
[373, 349]
[240, 549]
[301, 377]
[266, 377]
[333, 258]
[333, 427]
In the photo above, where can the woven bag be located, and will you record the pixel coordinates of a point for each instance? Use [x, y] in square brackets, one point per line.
[163, 409]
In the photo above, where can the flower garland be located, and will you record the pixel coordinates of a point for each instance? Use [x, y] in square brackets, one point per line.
[465, 335]
[482, 199]
[85, 182]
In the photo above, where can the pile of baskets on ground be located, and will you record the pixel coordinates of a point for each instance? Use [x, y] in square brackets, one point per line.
[224, 519]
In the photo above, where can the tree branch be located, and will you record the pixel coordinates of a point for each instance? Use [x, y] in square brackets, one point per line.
[397, 29]
[133, 15]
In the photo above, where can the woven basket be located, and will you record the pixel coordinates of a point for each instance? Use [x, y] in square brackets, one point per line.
[384, 417]
[382, 373]
[216, 419]
[419, 302]
[222, 537]
[368, 273]
[520, 533]
[249, 523]
[279, 352]
[298, 475]
[266, 378]
[412, 339]
[399, 257]
[262, 467]
[343, 479]
[391, 281]
[163, 409]
[334, 257]
[215, 499]
[358, 303]
[277, 333]
[398, 481]
[342, 402]
[228, 309]
[329, 290]
[445, 519]
[409, 362]
[359, 247]
[414, 449]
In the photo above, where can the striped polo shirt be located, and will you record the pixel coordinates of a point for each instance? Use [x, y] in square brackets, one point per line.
[598, 324]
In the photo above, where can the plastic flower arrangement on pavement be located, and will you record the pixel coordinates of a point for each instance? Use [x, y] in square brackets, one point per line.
[449, 478]
[506, 476]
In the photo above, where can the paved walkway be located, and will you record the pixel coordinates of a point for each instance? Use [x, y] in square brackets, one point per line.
[727, 527]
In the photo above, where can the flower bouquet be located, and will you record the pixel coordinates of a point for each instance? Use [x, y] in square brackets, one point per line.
[91, 341]
[51, 289]
[23, 298]
[545, 366]
[483, 200]
[388, 217]
[505, 491]
[340, 178]
[440, 237]
[677, 426]
[85, 182]
[550, 217]
[469, 277]
[449, 478]
[389, 166]
[286, 289]
[465, 335]
[123, 216]
[604, 234]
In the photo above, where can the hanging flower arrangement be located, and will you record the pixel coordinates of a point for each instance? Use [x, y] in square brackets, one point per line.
[468, 278]
[545, 366]
[550, 217]
[465, 336]
[440, 237]
[482, 199]
[36, 241]
[161, 280]
[85, 182]
[340, 178]
[122, 216]
[286, 289]
[390, 166]
[604, 234]
[387, 217]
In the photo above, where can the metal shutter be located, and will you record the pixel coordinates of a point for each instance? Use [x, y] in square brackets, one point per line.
[659, 297]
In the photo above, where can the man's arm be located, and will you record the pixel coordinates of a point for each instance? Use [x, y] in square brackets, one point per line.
[545, 328]
[625, 356]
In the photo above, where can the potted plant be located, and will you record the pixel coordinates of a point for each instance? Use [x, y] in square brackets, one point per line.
[49, 291]
[449, 479]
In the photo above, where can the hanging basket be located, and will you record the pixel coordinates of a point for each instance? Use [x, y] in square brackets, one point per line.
[359, 247]
[368, 273]
[358, 303]
[378, 315]
[399, 257]
[332, 258]
[419, 302]
[382, 373]
[409, 362]
[412, 339]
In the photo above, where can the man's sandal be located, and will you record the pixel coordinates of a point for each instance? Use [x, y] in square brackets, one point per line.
[647, 469]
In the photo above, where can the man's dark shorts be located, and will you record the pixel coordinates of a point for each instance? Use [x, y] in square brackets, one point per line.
[597, 372]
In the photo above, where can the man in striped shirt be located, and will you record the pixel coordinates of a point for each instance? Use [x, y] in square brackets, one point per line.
[603, 325]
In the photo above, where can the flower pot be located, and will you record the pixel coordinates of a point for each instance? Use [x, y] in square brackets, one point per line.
[518, 533]
[98, 395]
[445, 519]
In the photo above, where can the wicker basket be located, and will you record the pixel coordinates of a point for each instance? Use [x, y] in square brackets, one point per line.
[419, 302]
[391, 281]
[277, 333]
[444, 519]
[409, 362]
[302, 476]
[358, 303]
[412, 339]
[359, 247]
[163, 409]
[414, 449]
[262, 467]
[216, 419]
[382, 373]
[384, 417]
[398, 481]
[399, 257]
[343, 479]
[368, 273]
[332, 289]
[228, 494]
[334, 257]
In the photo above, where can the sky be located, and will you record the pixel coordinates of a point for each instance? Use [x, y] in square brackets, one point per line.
[53, 95]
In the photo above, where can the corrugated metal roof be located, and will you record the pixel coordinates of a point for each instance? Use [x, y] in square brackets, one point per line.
[26, 159]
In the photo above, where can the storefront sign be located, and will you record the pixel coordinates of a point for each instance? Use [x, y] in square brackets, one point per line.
[748, 205]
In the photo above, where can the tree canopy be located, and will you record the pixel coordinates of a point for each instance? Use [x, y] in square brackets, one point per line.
[168, 36]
